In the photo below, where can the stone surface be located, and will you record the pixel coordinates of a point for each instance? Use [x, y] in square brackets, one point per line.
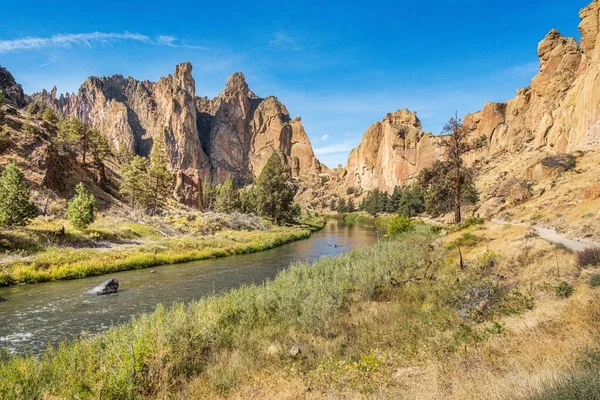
[12, 90]
[106, 287]
[592, 192]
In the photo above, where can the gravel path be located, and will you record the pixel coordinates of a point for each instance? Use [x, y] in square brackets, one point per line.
[552, 236]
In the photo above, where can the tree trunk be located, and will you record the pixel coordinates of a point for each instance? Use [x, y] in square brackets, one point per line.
[457, 216]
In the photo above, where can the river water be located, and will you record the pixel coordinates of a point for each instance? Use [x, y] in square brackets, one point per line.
[35, 316]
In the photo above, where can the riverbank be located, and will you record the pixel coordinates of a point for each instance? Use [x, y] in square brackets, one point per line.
[45, 253]
[398, 319]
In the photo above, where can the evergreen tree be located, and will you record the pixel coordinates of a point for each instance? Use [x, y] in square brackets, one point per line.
[333, 205]
[209, 194]
[350, 205]
[135, 181]
[274, 196]
[33, 110]
[383, 200]
[438, 184]
[411, 202]
[228, 199]
[49, 116]
[248, 200]
[15, 207]
[342, 206]
[159, 177]
[2, 102]
[395, 198]
[77, 135]
[82, 208]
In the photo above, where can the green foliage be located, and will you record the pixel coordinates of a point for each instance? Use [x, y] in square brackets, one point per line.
[350, 206]
[248, 200]
[399, 224]
[29, 130]
[15, 207]
[583, 385]
[135, 182]
[82, 207]
[333, 205]
[49, 116]
[274, 196]
[33, 110]
[564, 290]
[411, 203]
[466, 240]
[342, 207]
[158, 176]
[228, 199]
[595, 280]
[158, 351]
[76, 135]
[209, 196]
[438, 184]
[5, 139]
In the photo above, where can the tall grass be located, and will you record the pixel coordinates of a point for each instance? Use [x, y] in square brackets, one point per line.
[55, 264]
[157, 353]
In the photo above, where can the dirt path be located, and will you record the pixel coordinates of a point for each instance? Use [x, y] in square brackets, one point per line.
[552, 236]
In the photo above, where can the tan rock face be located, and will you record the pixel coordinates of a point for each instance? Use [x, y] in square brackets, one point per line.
[592, 193]
[232, 134]
[558, 113]
[391, 152]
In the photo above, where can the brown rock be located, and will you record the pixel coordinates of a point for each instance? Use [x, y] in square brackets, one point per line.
[592, 193]
[519, 193]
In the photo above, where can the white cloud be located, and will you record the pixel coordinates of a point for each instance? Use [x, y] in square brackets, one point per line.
[283, 41]
[86, 39]
[325, 137]
[334, 149]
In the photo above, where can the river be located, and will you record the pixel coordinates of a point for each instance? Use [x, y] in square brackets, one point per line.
[35, 316]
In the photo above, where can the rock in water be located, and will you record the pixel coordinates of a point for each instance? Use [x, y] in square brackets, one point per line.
[106, 287]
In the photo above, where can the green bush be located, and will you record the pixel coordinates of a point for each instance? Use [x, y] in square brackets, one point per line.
[595, 280]
[82, 207]
[564, 290]
[399, 224]
[466, 240]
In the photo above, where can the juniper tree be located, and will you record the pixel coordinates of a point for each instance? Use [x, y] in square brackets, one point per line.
[135, 181]
[77, 135]
[228, 199]
[457, 143]
[274, 196]
[49, 116]
[159, 177]
[82, 207]
[16, 208]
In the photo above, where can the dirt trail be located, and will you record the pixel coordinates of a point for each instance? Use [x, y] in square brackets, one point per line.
[551, 235]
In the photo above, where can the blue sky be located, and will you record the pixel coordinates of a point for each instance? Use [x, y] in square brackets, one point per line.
[340, 65]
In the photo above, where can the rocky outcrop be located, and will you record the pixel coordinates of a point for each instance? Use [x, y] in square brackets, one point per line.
[558, 113]
[107, 287]
[391, 152]
[232, 134]
[13, 92]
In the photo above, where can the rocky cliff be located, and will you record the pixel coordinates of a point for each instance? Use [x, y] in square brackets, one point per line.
[232, 134]
[12, 91]
[559, 112]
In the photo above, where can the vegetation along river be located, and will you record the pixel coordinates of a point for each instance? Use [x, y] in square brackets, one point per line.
[35, 316]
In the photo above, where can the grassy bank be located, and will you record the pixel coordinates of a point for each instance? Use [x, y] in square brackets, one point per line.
[397, 320]
[115, 245]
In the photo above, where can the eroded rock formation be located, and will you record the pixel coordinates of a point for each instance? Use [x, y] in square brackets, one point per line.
[12, 90]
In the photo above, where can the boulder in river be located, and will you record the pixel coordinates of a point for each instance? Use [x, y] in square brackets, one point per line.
[106, 287]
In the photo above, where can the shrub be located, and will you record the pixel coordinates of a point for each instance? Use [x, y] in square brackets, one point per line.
[82, 207]
[589, 256]
[467, 239]
[595, 280]
[15, 207]
[399, 224]
[564, 290]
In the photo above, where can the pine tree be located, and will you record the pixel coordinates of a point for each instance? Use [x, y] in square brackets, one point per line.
[2, 102]
[77, 135]
[135, 181]
[209, 193]
[342, 207]
[351, 207]
[49, 116]
[395, 199]
[228, 199]
[274, 196]
[82, 207]
[248, 200]
[159, 177]
[15, 207]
